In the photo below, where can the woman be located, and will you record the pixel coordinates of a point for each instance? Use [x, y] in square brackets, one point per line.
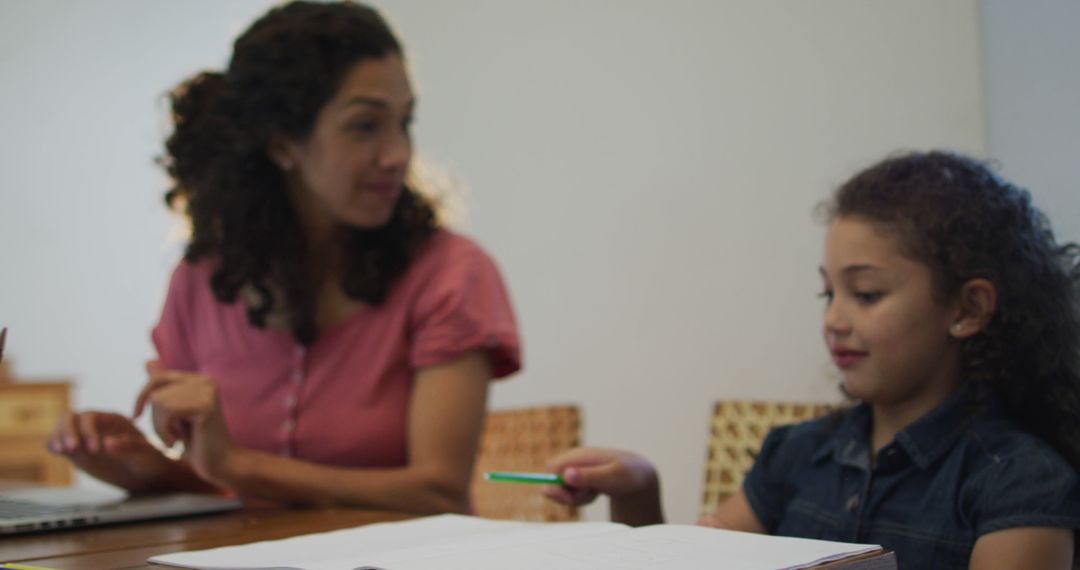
[324, 341]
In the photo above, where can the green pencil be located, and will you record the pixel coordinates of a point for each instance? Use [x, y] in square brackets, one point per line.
[517, 477]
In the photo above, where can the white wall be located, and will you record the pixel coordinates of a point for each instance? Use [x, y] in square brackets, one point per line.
[644, 172]
[1032, 79]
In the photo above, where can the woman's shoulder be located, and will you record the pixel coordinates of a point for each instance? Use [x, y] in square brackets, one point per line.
[447, 251]
[192, 273]
[446, 243]
[447, 263]
[190, 281]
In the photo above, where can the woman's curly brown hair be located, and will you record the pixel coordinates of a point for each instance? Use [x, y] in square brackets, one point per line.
[957, 216]
[284, 68]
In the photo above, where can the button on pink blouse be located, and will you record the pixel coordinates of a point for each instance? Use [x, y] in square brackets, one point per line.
[344, 400]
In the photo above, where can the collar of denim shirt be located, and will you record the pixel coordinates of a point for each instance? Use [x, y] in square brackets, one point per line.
[924, 440]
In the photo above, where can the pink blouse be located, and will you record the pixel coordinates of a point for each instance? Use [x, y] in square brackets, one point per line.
[343, 400]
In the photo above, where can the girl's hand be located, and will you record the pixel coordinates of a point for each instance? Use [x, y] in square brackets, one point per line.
[629, 480]
[589, 472]
[109, 447]
[186, 407]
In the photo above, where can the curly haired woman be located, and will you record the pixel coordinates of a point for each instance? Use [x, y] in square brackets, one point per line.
[324, 340]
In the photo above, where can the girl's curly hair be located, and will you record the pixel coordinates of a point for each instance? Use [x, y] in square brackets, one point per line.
[957, 216]
[284, 68]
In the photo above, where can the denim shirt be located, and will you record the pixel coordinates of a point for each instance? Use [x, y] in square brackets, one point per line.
[944, 481]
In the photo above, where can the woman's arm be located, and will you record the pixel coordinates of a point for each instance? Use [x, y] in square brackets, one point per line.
[1032, 547]
[446, 414]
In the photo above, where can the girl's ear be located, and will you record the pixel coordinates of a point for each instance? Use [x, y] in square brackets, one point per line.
[976, 304]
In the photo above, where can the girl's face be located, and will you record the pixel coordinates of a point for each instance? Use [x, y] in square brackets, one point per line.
[351, 169]
[885, 329]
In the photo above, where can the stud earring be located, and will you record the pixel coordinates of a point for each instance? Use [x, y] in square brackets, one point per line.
[958, 327]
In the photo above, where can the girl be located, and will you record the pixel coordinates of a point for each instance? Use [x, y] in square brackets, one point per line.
[954, 319]
[324, 340]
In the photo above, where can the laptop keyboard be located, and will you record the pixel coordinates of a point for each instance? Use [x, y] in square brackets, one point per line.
[15, 509]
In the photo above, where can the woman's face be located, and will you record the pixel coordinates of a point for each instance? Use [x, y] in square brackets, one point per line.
[351, 169]
[886, 330]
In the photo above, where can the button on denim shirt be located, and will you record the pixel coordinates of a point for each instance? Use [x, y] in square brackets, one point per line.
[944, 481]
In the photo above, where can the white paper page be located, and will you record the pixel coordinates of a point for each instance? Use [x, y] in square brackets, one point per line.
[365, 545]
[295, 552]
[533, 533]
[663, 546]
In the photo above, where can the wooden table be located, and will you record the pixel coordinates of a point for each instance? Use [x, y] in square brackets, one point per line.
[129, 545]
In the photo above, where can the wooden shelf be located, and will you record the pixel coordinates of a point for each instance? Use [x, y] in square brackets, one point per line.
[29, 410]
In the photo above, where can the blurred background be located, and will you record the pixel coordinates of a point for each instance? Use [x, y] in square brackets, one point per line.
[645, 173]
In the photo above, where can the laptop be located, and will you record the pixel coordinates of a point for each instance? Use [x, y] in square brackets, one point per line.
[35, 509]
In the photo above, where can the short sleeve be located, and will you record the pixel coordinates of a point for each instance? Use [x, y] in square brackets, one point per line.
[172, 333]
[465, 306]
[1033, 488]
[764, 485]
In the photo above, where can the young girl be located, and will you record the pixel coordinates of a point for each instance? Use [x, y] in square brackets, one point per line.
[954, 319]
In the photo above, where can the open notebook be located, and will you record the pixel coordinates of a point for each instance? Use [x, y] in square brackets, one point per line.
[454, 541]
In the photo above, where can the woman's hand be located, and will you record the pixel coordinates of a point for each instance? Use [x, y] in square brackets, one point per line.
[186, 407]
[109, 447]
[629, 480]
